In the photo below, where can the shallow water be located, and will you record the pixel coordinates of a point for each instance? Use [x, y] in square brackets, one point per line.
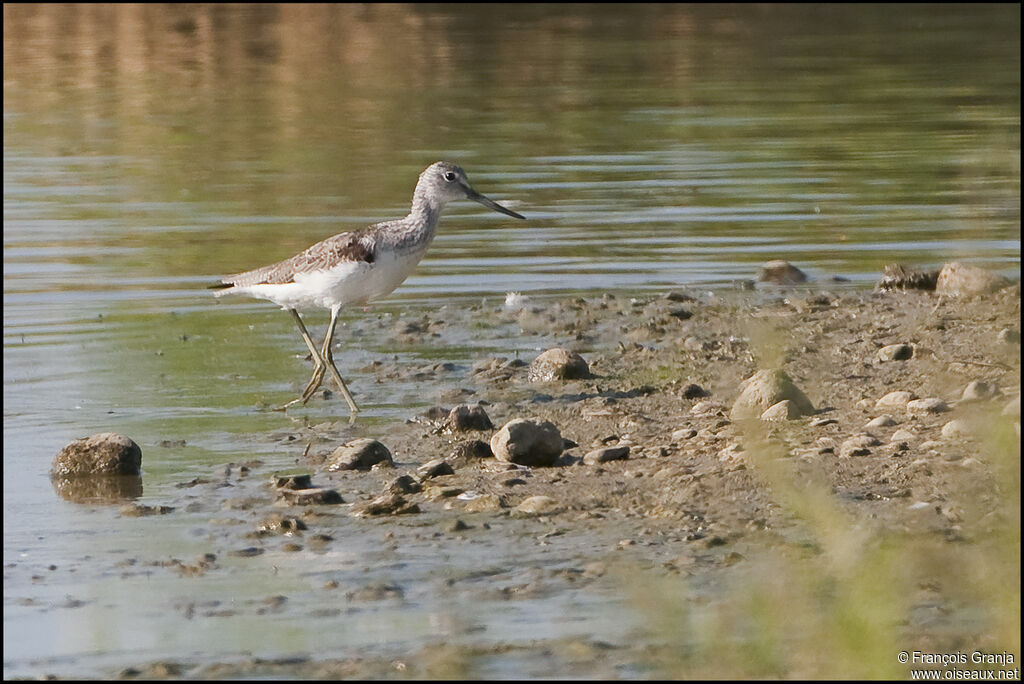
[148, 149]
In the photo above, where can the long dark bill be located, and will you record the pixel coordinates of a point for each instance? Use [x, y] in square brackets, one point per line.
[491, 204]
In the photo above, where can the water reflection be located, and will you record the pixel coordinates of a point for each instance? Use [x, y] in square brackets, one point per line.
[231, 135]
[98, 489]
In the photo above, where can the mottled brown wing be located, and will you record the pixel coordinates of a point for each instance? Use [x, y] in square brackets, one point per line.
[346, 247]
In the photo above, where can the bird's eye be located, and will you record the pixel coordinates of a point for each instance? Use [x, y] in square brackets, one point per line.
[449, 176]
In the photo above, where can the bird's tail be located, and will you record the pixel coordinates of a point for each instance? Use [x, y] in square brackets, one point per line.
[221, 288]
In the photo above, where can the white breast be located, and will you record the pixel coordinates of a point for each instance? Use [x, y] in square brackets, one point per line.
[346, 283]
[369, 281]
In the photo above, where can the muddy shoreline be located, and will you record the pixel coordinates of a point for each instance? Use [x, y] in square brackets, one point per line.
[692, 496]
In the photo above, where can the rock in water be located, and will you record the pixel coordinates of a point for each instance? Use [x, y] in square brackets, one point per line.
[388, 503]
[106, 453]
[781, 273]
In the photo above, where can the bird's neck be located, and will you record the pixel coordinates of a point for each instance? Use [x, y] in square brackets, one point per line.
[425, 206]
[425, 213]
[416, 231]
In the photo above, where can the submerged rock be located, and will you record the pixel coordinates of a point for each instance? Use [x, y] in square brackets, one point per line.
[763, 390]
[141, 510]
[310, 497]
[106, 453]
[275, 523]
[388, 503]
[378, 591]
[780, 272]
[558, 364]
[524, 442]
[359, 454]
[301, 481]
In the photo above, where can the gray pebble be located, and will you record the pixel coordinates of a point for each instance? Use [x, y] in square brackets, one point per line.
[524, 442]
[684, 433]
[309, 497]
[558, 364]
[784, 410]
[606, 454]
[539, 505]
[884, 420]
[956, 428]
[926, 406]
[692, 391]
[1009, 336]
[897, 399]
[465, 418]
[434, 468]
[858, 445]
[765, 389]
[979, 390]
[359, 454]
[895, 352]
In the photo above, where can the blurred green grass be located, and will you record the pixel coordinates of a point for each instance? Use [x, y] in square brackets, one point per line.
[863, 594]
